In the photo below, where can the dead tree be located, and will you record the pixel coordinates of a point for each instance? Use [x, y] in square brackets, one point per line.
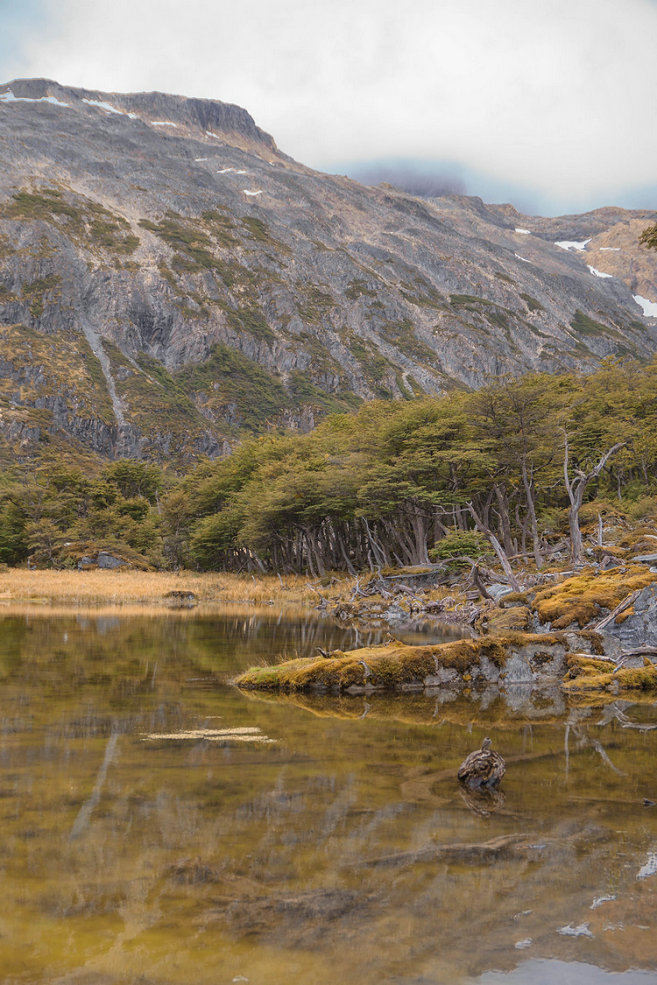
[576, 487]
[497, 547]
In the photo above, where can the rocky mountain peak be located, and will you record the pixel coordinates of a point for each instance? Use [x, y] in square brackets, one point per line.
[176, 115]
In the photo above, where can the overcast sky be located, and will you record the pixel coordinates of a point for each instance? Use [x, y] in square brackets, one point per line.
[551, 104]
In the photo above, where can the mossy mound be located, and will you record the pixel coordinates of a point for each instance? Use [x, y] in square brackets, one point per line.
[400, 667]
[587, 596]
[586, 674]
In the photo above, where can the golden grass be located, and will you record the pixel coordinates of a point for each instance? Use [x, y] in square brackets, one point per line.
[146, 587]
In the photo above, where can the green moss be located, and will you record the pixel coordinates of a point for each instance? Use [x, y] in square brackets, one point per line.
[44, 206]
[221, 227]
[157, 402]
[499, 319]
[6, 295]
[35, 291]
[421, 292]
[257, 229]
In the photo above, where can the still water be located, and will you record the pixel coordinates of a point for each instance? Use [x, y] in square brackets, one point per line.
[160, 827]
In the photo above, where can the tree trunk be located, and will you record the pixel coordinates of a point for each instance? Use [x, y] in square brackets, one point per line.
[527, 481]
[497, 547]
[576, 489]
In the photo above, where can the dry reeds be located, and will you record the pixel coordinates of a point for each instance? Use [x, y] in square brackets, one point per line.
[145, 587]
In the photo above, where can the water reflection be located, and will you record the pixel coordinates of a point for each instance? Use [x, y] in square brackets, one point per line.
[145, 840]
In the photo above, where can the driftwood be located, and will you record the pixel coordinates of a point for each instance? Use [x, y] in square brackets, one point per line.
[639, 651]
[621, 607]
[482, 851]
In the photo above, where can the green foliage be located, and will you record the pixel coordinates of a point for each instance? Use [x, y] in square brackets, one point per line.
[532, 303]
[649, 237]
[13, 538]
[35, 291]
[585, 325]
[373, 364]
[251, 320]
[468, 301]
[402, 335]
[357, 289]
[87, 220]
[461, 543]
[375, 487]
[134, 479]
[232, 379]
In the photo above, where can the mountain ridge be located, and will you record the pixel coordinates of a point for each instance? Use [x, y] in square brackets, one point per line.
[176, 286]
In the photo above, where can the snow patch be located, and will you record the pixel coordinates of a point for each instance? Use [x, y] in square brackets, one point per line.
[197, 159]
[208, 133]
[649, 868]
[597, 273]
[610, 249]
[649, 307]
[524, 259]
[525, 232]
[162, 123]
[521, 945]
[599, 900]
[259, 192]
[571, 244]
[582, 930]
[9, 97]
[108, 107]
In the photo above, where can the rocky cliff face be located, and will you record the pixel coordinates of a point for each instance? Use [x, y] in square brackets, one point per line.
[169, 280]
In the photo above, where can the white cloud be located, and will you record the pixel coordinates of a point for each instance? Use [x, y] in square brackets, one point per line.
[557, 95]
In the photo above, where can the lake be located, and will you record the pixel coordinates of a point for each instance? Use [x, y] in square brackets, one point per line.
[161, 827]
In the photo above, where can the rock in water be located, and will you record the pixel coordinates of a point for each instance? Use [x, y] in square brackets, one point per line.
[482, 768]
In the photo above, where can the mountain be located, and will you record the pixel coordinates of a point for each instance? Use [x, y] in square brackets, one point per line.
[169, 279]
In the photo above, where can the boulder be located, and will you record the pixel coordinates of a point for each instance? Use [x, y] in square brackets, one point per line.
[639, 628]
[106, 560]
[497, 591]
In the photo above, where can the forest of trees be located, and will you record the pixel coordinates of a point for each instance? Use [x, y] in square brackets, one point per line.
[507, 469]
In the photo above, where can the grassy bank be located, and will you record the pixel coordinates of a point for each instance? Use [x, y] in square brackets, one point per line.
[143, 587]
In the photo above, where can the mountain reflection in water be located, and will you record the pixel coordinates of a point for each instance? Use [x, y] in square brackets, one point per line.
[145, 839]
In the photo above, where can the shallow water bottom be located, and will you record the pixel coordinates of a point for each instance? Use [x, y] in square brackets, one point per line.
[161, 827]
